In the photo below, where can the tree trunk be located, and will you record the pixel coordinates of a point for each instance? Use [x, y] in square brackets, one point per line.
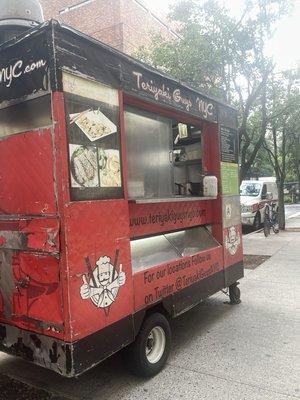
[243, 173]
[281, 208]
[246, 164]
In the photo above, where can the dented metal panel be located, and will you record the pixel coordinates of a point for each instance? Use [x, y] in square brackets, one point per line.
[40, 234]
[30, 290]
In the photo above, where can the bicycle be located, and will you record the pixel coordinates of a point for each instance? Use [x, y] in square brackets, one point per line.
[271, 220]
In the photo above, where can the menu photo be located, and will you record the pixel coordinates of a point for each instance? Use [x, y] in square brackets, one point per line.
[93, 167]
[93, 123]
[83, 166]
[109, 168]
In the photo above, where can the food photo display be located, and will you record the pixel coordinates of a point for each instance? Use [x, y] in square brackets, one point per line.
[94, 148]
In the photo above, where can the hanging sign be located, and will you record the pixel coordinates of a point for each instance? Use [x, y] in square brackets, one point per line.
[162, 90]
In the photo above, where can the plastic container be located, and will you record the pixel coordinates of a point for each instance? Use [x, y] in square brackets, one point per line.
[210, 186]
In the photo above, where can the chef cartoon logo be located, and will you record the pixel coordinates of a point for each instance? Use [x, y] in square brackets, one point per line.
[233, 240]
[101, 285]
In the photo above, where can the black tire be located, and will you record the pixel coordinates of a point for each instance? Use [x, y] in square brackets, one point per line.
[135, 354]
[276, 228]
[267, 227]
[257, 221]
[234, 294]
[275, 223]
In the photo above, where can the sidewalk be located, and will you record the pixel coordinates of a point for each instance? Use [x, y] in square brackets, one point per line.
[257, 244]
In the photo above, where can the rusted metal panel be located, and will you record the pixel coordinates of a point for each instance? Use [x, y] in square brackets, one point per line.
[45, 351]
[7, 284]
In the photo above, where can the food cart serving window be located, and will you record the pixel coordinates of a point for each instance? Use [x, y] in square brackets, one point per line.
[164, 156]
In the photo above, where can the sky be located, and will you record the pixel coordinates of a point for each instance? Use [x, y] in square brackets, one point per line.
[284, 46]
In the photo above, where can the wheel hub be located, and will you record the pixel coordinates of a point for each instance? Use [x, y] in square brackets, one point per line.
[155, 345]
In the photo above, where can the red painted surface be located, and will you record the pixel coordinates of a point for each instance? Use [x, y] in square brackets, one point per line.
[61, 165]
[27, 188]
[26, 174]
[153, 284]
[211, 165]
[97, 229]
[146, 219]
[37, 295]
[211, 150]
[60, 152]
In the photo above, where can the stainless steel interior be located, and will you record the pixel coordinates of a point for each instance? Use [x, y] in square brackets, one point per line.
[159, 249]
[149, 148]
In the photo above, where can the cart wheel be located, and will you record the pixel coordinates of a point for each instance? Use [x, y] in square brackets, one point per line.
[147, 356]
[234, 293]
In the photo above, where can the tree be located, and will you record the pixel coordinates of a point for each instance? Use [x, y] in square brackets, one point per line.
[223, 56]
[283, 127]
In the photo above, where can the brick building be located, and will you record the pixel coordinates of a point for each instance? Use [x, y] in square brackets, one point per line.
[123, 24]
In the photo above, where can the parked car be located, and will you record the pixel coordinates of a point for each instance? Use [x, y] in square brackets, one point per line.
[292, 192]
[255, 198]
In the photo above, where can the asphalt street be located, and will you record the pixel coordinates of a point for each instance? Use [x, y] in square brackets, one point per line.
[248, 351]
[291, 210]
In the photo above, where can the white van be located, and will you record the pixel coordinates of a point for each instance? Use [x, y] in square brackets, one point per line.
[255, 197]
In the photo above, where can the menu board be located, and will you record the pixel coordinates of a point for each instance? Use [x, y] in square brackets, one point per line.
[229, 144]
[92, 112]
[230, 178]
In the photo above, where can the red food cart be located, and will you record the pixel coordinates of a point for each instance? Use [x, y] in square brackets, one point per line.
[119, 202]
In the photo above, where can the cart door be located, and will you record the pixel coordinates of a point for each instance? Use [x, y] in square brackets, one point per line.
[29, 226]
